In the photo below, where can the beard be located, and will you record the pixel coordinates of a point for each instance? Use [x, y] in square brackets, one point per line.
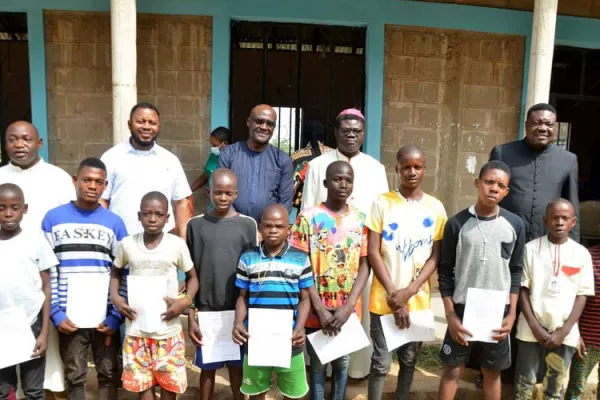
[143, 143]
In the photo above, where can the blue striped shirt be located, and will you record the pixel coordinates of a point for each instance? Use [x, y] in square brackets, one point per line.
[264, 177]
[84, 242]
[274, 282]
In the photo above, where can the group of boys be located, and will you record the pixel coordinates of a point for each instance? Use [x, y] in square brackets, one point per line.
[317, 268]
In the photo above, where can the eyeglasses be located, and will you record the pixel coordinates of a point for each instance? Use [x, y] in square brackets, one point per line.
[348, 131]
[264, 121]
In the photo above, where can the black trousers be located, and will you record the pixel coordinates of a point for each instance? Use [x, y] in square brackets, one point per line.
[31, 372]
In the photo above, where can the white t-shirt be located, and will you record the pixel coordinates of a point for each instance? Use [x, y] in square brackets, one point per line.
[170, 255]
[572, 264]
[133, 173]
[45, 187]
[23, 258]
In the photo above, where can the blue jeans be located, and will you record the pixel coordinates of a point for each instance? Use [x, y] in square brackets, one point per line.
[318, 372]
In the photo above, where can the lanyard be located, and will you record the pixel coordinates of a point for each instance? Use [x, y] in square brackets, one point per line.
[556, 259]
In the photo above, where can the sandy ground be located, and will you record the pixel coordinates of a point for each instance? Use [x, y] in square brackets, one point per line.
[425, 384]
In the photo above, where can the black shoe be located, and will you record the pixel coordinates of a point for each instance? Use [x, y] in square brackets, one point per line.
[479, 381]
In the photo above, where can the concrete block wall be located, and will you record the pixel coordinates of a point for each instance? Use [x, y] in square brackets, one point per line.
[174, 73]
[455, 94]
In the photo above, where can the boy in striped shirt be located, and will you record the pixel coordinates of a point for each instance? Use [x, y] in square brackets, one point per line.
[274, 276]
[85, 238]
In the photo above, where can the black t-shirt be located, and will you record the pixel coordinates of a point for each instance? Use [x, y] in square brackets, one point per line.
[216, 245]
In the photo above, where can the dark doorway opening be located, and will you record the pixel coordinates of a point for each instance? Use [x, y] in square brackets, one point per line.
[575, 92]
[15, 96]
[309, 73]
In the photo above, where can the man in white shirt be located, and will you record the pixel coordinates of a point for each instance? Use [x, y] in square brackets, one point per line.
[370, 181]
[139, 166]
[45, 187]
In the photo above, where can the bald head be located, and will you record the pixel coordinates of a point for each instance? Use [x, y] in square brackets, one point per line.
[23, 143]
[558, 204]
[155, 196]
[223, 176]
[338, 167]
[21, 126]
[12, 190]
[261, 109]
[275, 211]
[261, 123]
[410, 150]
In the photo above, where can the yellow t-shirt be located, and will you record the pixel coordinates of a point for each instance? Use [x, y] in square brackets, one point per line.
[408, 230]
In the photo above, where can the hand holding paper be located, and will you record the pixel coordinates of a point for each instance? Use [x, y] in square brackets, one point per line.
[351, 338]
[16, 338]
[270, 337]
[87, 299]
[217, 344]
[146, 295]
[421, 329]
[484, 312]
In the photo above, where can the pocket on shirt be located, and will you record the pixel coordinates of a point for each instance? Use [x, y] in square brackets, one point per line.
[507, 249]
[571, 272]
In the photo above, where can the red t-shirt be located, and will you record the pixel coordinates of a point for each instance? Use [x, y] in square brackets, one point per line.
[590, 319]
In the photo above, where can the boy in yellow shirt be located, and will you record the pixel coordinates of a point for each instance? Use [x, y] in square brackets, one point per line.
[405, 229]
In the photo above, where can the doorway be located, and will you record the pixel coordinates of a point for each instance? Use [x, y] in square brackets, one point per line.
[308, 73]
[15, 95]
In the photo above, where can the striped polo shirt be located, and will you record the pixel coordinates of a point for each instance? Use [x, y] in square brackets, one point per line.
[274, 282]
[85, 242]
[590, 319]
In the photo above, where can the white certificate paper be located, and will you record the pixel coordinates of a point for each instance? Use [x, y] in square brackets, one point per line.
[351, 338]
[484, 313]
[87, 299]
[16, 338]
[270, 341]
[145, 295]
[422, 329]
[217, 339]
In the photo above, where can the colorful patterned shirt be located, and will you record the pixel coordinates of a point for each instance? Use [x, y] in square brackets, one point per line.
[335, 243]
[408, 230]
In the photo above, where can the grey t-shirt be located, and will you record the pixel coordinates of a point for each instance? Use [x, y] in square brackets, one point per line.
[466, 262]
[216, 245]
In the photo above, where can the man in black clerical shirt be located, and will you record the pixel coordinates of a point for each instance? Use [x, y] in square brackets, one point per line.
[540, 171]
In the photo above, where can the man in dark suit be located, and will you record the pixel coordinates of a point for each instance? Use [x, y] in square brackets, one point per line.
[540, 171]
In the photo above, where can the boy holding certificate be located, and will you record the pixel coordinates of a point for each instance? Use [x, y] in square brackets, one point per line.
[216, 241]
[85, 237]
[154, 355]
[482, 248]
[405, 229]
[275, 276]
[24, 283]
[335, 237]
[557, 277]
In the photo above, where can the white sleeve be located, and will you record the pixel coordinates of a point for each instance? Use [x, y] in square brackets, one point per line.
[382, 186]
[46, 258]
[181, 187]
[68, 190]
[309, 192]
[106, 159]
[586, 277]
